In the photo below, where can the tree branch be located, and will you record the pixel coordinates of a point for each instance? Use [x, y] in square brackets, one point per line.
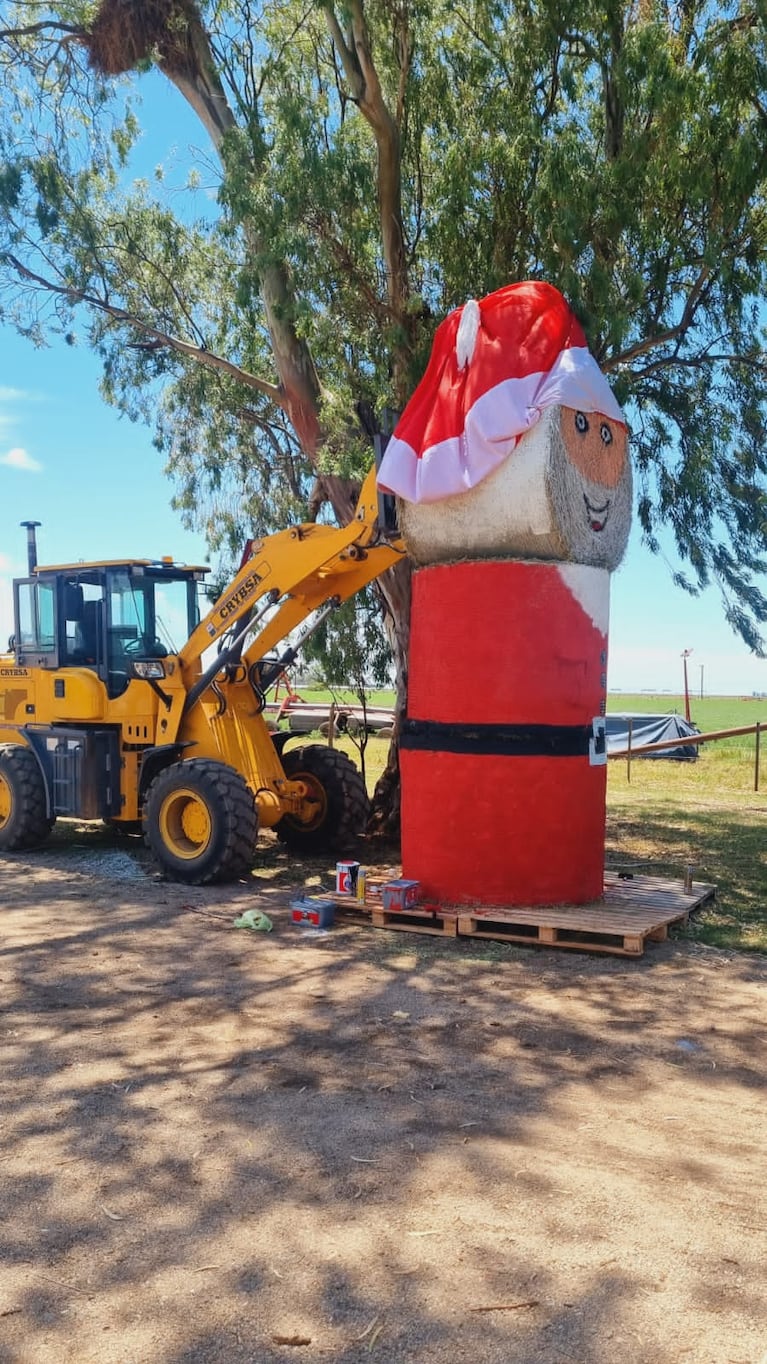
[352, 69]
[45, 26]
[581, 47]
[299, 385]
[495, 52]
[283, 457]
[405, 56]
[700, 361]
[363, 77]
[349, 267]
[671, 333]
[203, 357]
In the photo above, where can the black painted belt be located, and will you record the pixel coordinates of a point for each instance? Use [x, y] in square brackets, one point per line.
[516, 741]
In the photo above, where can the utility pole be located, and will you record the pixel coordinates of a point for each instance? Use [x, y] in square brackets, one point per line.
[685, 657]
[701, 680]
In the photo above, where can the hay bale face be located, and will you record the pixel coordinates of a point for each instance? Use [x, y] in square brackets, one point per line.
[564, 493]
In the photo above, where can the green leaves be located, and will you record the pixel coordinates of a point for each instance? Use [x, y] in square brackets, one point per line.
[618, 151]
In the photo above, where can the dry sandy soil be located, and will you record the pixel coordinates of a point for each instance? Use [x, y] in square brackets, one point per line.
[218, 1145]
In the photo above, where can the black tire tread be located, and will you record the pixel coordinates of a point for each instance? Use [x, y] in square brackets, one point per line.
[349, 805]
[235, 857]
[31, 825]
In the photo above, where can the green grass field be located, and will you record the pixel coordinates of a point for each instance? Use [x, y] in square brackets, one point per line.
[665, 815]
[708, 712]
[673, 814]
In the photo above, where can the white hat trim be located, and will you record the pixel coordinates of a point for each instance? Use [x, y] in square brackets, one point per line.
[493, 426]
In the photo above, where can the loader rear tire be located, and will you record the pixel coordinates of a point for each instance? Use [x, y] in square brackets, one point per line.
[340, 807]
[200, 821]
[24, 821]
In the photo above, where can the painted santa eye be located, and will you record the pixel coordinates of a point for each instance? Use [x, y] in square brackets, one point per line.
[581, 423]
[606, 434]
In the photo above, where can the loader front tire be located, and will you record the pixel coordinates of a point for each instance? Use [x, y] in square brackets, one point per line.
[24, 821]
[200, 821]
[337, 809]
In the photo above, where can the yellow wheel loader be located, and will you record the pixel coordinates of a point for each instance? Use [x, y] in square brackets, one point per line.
[103, 717]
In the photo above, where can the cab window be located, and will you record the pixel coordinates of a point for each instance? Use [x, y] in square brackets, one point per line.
[127, 614]
[36, 617]
[82, 615]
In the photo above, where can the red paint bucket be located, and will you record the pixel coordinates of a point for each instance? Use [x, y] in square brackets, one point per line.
[346, 878]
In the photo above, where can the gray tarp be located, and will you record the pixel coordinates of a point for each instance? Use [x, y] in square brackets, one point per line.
[650, 729]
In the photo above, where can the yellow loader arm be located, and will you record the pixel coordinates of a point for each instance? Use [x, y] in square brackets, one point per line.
[289, 575]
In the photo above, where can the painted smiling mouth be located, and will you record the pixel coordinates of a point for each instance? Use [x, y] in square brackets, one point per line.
[597, 515]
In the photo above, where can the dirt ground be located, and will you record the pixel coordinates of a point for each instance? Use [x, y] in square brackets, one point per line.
[363, 1145]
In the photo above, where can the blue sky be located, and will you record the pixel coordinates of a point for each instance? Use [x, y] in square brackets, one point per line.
[70, 462]
[97, 485]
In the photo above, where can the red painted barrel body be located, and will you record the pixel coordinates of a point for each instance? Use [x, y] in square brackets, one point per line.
[503, 783]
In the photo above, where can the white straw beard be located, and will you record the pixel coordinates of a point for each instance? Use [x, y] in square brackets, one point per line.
[593, 521]
[531, 507]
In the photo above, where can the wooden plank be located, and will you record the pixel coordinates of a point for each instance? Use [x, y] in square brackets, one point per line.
[633, 943]
[633, 909]
[443, 925]
[580, 941]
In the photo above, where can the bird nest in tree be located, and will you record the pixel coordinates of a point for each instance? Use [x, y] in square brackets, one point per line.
[128, 32]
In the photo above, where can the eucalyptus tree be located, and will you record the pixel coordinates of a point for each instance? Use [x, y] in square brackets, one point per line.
[374, 163]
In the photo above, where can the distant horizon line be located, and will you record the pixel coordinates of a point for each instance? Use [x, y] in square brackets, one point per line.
[694, 695]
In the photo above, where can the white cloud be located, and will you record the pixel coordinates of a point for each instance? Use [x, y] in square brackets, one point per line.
[10, 398]
[19, 458]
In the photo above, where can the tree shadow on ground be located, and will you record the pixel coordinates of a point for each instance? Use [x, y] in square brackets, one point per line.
[216, 1144]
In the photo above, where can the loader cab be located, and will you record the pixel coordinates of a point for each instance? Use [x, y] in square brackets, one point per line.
[105, 616]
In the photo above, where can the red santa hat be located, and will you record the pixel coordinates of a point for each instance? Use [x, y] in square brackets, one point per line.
[494, 366]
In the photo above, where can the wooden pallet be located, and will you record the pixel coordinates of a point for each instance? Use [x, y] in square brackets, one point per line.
[421, 918]
[631, 913]
[436, 920]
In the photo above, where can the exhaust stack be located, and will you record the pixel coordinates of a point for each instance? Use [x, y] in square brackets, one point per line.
[31, 545]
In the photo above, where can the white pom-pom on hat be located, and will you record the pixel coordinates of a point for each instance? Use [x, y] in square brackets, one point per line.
[466, 336]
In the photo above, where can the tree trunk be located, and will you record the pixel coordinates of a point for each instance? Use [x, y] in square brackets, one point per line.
[187, 60]
[394, 589]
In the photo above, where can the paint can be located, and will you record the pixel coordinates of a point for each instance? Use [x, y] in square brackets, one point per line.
[316, 913]
[346, 878]
[400, 895]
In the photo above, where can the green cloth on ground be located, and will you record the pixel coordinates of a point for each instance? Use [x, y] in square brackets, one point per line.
[253, 918]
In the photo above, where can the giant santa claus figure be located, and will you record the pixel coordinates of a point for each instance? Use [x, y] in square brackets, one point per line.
[510, 465]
